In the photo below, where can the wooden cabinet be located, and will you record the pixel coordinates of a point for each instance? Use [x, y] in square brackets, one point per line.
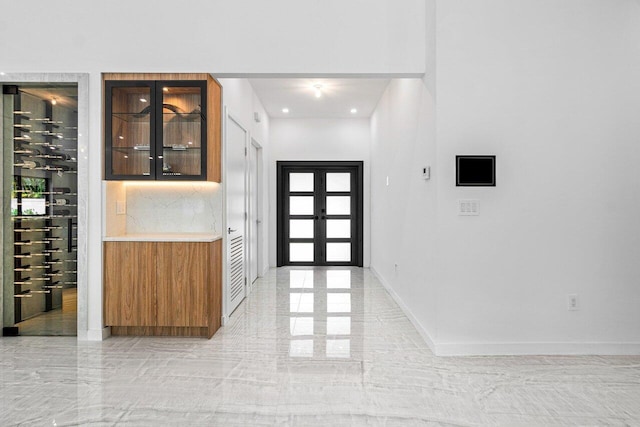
[162, 127]
[129, 282]
[182, 267]
[163, 288]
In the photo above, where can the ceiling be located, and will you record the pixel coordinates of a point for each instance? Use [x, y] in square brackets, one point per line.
[339, 96]
[66, 95]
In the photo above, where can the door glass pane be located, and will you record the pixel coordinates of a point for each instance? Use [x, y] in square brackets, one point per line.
[338, 205]
[301, 229]
[340, 252]
[338, 182]
[130, 130]
[301, 205]
[301, 252]
[301, 182]
[181, 130]
[339, 228]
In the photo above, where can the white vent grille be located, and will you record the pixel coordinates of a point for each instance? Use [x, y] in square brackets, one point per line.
[236, 272]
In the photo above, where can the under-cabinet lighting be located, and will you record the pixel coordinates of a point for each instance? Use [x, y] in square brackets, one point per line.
[165, 89]
[318, 90]
[54, 101]
[172, 185]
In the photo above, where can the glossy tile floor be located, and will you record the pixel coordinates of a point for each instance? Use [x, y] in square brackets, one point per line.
[323, 347]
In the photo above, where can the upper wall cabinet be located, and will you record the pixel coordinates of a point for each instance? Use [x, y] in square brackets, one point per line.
[162, 129]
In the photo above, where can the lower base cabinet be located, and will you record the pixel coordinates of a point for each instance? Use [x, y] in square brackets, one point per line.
[163, 288]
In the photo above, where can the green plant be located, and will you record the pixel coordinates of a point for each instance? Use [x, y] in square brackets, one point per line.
[34, 188]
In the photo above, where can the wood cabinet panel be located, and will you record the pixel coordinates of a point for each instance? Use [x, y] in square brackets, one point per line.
[183, 274]
[129, 283]
[215, 290]
[214, 130]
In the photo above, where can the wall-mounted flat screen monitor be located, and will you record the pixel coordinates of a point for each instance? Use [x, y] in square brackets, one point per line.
[475, 171]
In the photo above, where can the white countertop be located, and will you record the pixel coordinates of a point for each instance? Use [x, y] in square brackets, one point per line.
[163, 237]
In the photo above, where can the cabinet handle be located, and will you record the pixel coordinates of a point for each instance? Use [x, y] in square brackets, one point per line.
[231, 230]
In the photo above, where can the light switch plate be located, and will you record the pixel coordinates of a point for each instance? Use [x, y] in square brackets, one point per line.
[121, 207]
[469, 207]
[426, 172]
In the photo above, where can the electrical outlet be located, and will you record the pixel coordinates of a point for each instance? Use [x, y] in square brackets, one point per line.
[572, 302]
[121, 207]
[469, 207]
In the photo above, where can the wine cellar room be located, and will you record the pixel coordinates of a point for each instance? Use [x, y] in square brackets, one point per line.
[40, 208]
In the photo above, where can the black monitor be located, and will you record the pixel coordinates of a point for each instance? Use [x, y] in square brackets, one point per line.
[475, 171]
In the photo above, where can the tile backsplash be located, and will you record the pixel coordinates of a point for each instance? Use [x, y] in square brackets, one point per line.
[181, 207]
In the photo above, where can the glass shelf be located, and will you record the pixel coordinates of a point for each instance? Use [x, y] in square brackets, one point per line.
[133, 117]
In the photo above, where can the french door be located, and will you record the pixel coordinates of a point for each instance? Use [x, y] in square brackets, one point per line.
[320, 213]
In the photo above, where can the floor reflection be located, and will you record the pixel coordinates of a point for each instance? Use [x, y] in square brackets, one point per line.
[325, 306]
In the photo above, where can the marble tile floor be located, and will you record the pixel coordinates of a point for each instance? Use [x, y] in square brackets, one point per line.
[309, 347]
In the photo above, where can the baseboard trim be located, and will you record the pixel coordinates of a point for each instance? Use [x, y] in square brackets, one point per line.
[538, 348]
[98, 334]
[416, 323]
[510, 348]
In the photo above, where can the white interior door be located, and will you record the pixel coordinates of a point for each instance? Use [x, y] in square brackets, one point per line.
[254, 223]
[236, 146]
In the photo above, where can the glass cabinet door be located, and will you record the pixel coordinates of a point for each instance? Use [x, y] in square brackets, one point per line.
[130, 130]
[182, 129]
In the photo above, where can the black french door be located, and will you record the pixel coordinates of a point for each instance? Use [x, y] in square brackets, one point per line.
[320, 213]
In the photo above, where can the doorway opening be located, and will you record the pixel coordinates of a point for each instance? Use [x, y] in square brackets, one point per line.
[40, 175]
[320, 213]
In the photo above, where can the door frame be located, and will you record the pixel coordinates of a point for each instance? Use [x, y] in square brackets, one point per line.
[280, 217]
[229, 115]
[259, 230]
[89, 251]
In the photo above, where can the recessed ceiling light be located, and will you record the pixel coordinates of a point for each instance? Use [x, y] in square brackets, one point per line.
[2, 73]
[143, 100]
[120, 137]
[285, 110]
[354, 110]
[318, 89]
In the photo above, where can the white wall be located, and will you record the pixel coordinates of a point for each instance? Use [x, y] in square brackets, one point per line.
[318, 139]
[403, 213]
[241, 36]
[242, 102]
[552, 89]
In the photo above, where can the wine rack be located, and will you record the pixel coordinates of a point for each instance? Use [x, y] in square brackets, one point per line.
[44, 200]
